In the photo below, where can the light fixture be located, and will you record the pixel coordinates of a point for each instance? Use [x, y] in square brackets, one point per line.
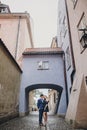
[83, 39]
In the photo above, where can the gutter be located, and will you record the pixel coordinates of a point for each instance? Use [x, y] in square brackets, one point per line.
[30, 32]
[16, 48]
[66, 86]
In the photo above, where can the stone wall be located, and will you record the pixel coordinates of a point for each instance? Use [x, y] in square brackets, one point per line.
[53, 97]
[9, 84]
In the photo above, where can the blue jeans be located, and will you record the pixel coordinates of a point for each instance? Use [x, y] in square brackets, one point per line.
[40, 116]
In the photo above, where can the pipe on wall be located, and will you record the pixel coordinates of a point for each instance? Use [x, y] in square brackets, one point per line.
[18, 30]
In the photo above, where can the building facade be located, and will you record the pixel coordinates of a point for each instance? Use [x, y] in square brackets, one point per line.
[10, 76]
[15, 31]
[64, 41]
[43, 68]
[31, 100]
[76, 11]
[53, 99]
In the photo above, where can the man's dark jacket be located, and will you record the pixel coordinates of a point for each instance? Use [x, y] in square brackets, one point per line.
[40, 104]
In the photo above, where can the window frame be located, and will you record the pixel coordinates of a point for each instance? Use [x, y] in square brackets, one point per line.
[43, 66]
[64, 26]
[79, 26]
[68, 58]
[54, 97]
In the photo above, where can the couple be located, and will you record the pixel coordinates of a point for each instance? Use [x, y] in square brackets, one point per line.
[42, 105]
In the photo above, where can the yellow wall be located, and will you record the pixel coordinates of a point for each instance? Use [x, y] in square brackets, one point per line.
[9, 84]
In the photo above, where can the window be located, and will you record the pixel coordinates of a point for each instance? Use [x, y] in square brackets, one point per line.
[86, 79]
[3, 10]
[64, 29]
[68, 60]
[60, 18]
[43, 65]
[74, 2]
[82, 25]
[54, 97]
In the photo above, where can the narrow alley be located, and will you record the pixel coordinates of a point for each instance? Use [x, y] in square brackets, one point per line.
[31, 123]
[43, 64]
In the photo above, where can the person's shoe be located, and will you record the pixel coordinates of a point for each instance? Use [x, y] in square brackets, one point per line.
[45, 125]
[41, 124]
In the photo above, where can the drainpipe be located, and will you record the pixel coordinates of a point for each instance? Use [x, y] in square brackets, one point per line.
[18, 29]
[70, 38]
[66, 87]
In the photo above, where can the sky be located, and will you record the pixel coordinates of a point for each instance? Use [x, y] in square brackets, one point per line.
[43, 15]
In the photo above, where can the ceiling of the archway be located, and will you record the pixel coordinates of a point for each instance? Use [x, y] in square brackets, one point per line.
[46, 86]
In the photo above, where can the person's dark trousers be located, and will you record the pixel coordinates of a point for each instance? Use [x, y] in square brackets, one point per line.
[40, 116]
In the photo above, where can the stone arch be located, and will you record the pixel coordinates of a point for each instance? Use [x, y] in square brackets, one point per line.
[41, 86]
[47, 86]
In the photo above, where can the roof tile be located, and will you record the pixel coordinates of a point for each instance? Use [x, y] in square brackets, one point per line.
[42, 50]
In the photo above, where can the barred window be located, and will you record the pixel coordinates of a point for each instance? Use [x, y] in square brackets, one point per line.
[43, 65]
[82, 24]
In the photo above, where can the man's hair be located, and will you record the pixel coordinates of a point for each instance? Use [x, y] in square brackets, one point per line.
[41, 95]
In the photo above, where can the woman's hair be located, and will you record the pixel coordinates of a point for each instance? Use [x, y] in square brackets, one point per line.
[44, 98]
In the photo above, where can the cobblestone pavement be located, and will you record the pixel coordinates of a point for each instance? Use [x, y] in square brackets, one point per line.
[31, 123]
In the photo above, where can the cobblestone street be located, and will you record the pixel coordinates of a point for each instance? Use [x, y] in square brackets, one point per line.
[31, 123]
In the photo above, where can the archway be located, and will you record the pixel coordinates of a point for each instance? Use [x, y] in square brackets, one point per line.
[58, 88]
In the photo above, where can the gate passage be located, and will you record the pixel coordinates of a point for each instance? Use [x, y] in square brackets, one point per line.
[43, 68]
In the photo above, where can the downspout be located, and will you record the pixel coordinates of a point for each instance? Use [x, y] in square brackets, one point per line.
[66, 87]
[70, 38]
[18, 29]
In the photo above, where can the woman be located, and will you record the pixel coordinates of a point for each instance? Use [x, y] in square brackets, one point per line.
[46, 109]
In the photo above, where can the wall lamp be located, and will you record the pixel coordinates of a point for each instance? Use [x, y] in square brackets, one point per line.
[83, 39]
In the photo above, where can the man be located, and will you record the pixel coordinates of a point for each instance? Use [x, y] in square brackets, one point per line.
[40, 105]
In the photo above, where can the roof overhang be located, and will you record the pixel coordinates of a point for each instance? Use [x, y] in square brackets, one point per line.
[44, 51]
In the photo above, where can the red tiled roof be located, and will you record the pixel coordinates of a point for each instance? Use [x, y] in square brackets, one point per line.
[42, 51]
